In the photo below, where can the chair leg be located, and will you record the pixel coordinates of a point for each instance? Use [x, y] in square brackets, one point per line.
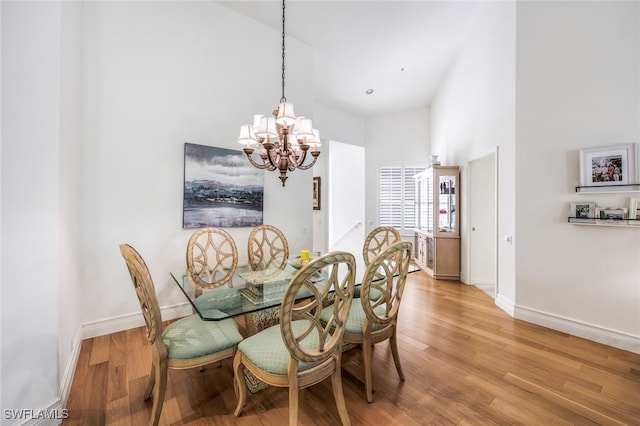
[158, 397]
[367, 355]
[239, 383]
[151, 382]
[293, 402]
[396, 355]
[336, 383]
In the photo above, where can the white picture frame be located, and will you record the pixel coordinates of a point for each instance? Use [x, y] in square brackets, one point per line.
[612, 215]
[634, 211]
[583, 212]
[608, 165]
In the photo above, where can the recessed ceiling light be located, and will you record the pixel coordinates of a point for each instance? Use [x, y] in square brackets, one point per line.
[369, 91]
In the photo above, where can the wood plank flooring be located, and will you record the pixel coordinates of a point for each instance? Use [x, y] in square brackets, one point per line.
[466, 362]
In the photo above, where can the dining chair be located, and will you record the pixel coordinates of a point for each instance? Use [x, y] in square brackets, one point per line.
[373, 317]
[301, 351]
[212, 258]
[186, 343]
[267, 249]
[268, 254]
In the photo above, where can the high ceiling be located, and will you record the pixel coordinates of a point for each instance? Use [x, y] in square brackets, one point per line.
[400, 49]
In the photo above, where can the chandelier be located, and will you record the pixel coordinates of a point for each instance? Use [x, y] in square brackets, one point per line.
[283, 140]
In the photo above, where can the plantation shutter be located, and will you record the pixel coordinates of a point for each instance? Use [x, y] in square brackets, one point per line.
[397, 197]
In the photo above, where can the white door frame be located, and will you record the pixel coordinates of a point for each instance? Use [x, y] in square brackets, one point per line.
[473, 275]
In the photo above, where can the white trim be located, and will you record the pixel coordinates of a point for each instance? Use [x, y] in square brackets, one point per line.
[128, 321]
[570, 326]
[505, 304]
[54, 406]
[70, 370]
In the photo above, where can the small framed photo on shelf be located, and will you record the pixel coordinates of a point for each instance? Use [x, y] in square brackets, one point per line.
[634, 211]
[615, 215]
[608, 165]
[583, 212]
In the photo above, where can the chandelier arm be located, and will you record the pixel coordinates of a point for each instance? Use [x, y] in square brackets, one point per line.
[264, 165]
[298, 160]
[308, 166]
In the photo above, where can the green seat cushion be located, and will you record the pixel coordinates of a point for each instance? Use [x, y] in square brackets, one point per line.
[356, 317]
[267, 350]
[374, 293]
[192, 337]
[219, 298]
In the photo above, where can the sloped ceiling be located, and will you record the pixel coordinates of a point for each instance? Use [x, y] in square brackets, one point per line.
[400, 49]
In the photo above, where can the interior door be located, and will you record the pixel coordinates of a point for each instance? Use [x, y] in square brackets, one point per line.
[482, 219]
[345, 219]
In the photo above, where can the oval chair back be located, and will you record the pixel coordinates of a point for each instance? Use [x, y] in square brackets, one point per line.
[212, 258]
[378, 239]
[267, 249]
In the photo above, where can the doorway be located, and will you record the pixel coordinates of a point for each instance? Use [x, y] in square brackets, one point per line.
[483, 222]
[346, 208]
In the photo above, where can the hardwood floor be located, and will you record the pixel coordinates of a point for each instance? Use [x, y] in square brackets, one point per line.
[466, 362]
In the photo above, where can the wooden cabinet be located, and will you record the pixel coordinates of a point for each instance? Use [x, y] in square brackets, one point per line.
[437, 236]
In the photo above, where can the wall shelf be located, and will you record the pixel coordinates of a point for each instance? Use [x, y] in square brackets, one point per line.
[621, 223]
[602, 189]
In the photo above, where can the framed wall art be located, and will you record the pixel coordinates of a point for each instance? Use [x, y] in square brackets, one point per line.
[608, 165]
[611, 214]
[583, 212]
[316, 192]
[221, 188]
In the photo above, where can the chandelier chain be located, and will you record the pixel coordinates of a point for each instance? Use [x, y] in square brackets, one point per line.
[283, 98]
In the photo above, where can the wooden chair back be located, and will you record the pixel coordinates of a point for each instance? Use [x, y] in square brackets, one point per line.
[212, 258]
[145, 290]
[383, 284]
[339, 268]
[377, 241]
[267, 249]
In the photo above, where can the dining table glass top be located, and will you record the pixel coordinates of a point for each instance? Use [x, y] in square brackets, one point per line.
[247, 292]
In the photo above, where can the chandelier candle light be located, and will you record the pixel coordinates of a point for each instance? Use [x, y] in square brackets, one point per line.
[284, 139]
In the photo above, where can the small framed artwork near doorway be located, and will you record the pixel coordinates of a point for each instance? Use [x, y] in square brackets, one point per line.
[316, 192]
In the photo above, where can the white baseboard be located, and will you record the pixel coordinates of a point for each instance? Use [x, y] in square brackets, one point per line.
[50, 415]
[126, 322]
[580, 329]
[505, 304]
[69, 371]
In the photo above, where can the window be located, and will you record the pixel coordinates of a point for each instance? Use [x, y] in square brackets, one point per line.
[397, 197]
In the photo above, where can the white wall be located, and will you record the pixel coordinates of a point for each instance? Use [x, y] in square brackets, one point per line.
[333, 125]
[394, 139]
[157, 75]
[473, 115]
[31, 130]
[578, 87]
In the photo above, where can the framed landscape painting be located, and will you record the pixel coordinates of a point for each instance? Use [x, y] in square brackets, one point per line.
[221, 188]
